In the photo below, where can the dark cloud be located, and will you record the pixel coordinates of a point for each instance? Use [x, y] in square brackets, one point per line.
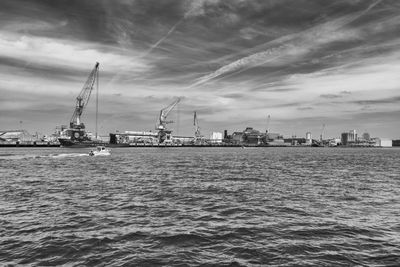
[51, 72]
[330, 96]
[235, 96]
[392, 100]
[282, 90]
[305, 108]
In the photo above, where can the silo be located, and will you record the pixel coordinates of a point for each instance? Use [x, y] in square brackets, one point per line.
[308, 138]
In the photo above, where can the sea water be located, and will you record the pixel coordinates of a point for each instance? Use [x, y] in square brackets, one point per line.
[200, 206]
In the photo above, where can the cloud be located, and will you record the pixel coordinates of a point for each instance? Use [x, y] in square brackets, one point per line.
[305, 108]
[345, 92]
[232, 61]
[391, 100]
[293, 45]
[330, 96]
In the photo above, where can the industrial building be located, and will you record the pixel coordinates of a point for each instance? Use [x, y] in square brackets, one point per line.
[16, 137]
[216, 138]
[249, 136]
[24, 138]
[349, 138]
[383, 142]
[133, 137]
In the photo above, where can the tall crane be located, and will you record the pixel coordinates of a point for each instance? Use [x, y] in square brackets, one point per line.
[321, 137]
[196, 125]
[163, 133]
[197, 134]
[268, 119]
[162, 119]
[198, 137]
[83, 98]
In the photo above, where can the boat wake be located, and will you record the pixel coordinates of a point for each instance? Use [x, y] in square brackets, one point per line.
[68, 155]
[33, 156]
[16, 157]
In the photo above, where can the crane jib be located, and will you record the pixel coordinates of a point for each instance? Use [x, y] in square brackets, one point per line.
[83, 97]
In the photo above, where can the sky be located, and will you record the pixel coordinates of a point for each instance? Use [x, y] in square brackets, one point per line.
[303, 63]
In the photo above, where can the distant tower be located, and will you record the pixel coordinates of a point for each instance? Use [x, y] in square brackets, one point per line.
[308, 138]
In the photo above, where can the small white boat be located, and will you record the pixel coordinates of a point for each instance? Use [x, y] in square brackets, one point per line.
[100, 151]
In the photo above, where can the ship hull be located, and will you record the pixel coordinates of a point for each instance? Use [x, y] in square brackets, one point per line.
[80, 143]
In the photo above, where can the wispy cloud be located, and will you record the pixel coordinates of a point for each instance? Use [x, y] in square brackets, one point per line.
[294, 45]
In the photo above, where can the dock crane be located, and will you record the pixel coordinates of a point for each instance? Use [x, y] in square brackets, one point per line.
[198, 138]
[83, 99]
[76, 131]
[196, 125]
[163, 133]
[321, 137]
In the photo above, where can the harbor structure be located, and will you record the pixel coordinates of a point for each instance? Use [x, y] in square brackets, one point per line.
[76, 135]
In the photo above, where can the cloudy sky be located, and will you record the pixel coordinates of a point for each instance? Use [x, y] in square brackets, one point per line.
[305, 63]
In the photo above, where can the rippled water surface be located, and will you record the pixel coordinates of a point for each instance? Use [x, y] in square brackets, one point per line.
[200, 206]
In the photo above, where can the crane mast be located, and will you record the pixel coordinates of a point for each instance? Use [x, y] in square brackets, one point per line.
[198, 138]
[83, 99]
[321, 137]
[196, 125]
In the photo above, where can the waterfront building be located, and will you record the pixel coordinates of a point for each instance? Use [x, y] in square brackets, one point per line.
[349, 138]
[237, 137]
[366, 136]
[345, 138]
[295, 141]
[334, 142]
[252, 136]
[134, 137]
[274, 136]
[383, 142]
[352, 136]
[16, 136]
[396, 142]
[186, 140]
[216, 137]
